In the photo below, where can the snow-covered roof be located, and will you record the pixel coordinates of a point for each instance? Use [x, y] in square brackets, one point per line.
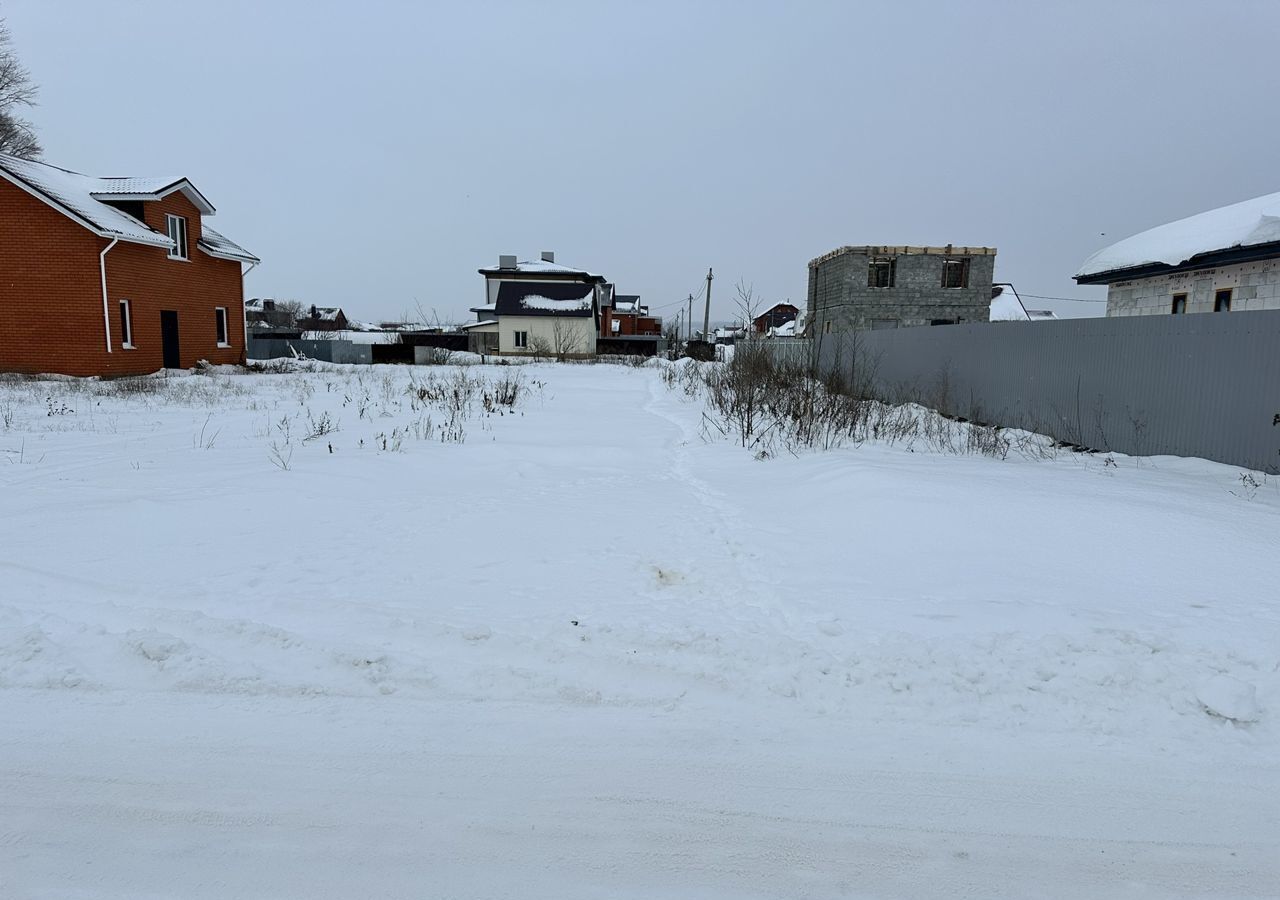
[1242, 224]
[82, 197]
[555, 304]
[73, 193]
[1006, 306]
[215, 244]
[628, 303]
[151, 189]
[540, 267]
[787, 329]
[531, 298]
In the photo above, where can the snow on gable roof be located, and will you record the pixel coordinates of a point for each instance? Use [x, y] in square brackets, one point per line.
[1006, 306]
[151, 189]
[82, 197]
[539, 267]
[546, 299]
[1242, 224]
[73, 194]
[215, 244]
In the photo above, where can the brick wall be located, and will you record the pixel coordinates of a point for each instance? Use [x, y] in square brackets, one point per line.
[51, 293]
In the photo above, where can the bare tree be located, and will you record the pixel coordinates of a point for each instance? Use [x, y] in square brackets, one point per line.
[675, 343]
[17, 138]
[748, 304]
[566, 340]
[540, 346]
[287, 313]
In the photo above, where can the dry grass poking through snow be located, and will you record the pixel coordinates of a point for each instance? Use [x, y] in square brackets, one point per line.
[771, 408]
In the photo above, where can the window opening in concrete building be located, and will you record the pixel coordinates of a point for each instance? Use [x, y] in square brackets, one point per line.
[1222, 300]
[882, 271]
[1179, 304]
[955, 273]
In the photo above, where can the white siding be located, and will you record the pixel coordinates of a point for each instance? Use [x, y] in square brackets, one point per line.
[580, 333]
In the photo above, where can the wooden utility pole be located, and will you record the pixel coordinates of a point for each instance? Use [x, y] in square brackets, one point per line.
[706, 318]
[688, 326]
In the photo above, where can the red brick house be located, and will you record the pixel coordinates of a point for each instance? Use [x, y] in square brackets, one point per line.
[775, 317]
[113, 276]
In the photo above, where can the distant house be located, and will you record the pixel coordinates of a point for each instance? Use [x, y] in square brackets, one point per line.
[323, 318]
[537, 308]
[1006, 306]
[774, 317]
[113, 276]
[265, 314]
[626, 327]
[869, 287]
[1224, 260]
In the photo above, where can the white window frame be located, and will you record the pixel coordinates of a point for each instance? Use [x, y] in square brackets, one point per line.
[176, 226]
[220, 318]
[520, 340]
[126, 326]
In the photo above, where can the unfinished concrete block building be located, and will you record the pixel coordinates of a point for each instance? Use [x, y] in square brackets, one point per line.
[859, 288]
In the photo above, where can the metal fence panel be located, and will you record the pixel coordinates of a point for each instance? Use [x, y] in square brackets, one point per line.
[1191, 385]
[335, 351]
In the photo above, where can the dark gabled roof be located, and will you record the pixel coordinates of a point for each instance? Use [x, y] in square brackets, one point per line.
[540, 268]
[1231, 257]
[531, 298]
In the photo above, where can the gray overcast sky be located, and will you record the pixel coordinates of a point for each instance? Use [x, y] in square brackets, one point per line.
[376, 153]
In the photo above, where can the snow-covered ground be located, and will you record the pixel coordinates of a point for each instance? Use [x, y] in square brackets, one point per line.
[308, 635]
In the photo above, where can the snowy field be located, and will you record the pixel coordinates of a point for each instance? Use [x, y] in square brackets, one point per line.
[314, 635]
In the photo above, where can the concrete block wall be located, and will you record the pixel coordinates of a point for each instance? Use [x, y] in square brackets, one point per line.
[839, 298]
[1254, 285]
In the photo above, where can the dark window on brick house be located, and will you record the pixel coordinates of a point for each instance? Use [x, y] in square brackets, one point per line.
[882, 272]
[1179, 304]
[1222, 300]
[220, 321]
[955, 273]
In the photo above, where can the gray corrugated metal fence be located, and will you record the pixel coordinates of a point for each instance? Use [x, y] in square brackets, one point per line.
[1192, 385]
[335, 351]
[787, 351]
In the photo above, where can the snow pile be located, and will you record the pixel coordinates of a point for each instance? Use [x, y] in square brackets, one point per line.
[1242, 224]
[1229, 698]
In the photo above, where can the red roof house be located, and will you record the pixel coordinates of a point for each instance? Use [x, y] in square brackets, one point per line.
[113, 276]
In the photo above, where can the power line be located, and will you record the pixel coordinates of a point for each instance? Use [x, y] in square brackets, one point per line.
[1068, 299]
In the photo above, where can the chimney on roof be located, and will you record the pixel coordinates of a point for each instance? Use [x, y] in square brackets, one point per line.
[506, 262]
[548, 256]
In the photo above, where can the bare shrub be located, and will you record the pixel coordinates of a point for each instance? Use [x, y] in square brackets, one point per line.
[771, 408]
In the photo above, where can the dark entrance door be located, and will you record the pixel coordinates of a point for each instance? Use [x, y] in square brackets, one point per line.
[169, 339]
